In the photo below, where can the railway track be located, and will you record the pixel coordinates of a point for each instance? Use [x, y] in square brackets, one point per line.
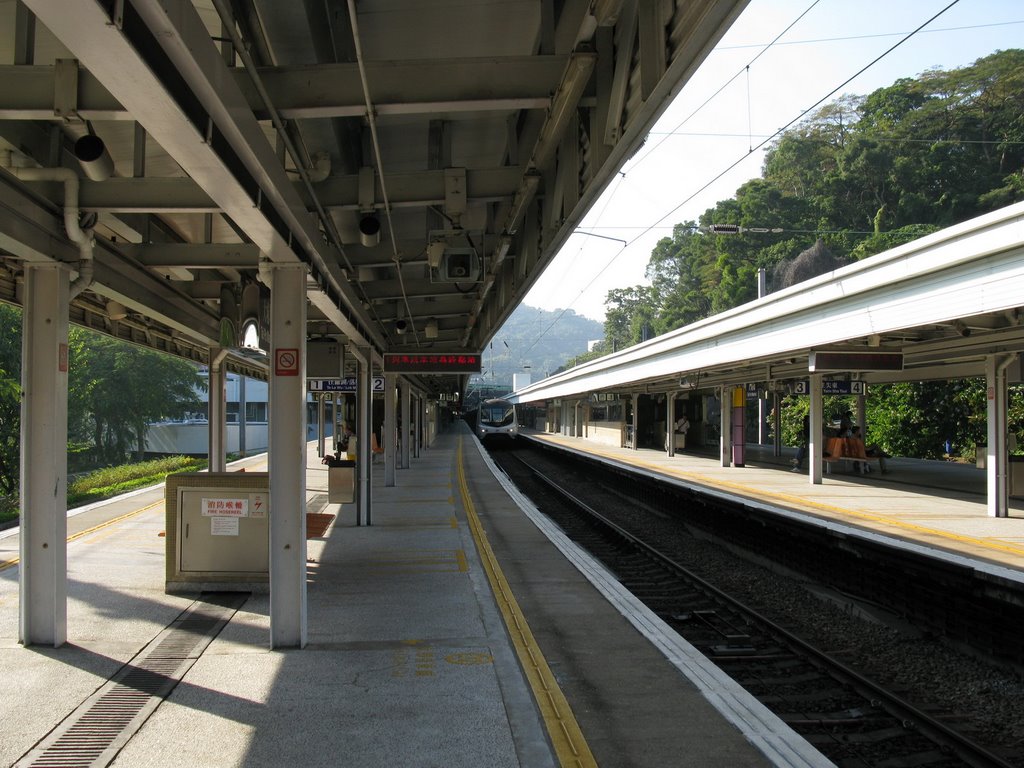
[852, 720]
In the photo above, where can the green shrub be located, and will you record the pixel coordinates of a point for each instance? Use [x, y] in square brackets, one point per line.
[8, 508]
[111, 481]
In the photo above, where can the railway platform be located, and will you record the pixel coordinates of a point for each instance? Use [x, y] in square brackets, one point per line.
[935, 505]
[459, 629]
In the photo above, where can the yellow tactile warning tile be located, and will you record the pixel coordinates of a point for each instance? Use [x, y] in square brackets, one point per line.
[566, 736]
[418, 561]
[907, 517]
[14, 561]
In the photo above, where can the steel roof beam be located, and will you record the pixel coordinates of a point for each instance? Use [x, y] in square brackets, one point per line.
[198, 256]
[325, 90]
[183, 195]
[160, 63]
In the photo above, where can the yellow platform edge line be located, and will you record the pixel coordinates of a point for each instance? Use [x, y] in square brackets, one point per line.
[14, 561]
[802, 504]
[566, 736]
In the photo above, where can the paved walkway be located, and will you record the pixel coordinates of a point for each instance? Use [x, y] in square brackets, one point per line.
[408, 662]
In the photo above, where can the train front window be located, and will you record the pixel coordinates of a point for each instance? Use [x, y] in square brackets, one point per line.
[497, 415]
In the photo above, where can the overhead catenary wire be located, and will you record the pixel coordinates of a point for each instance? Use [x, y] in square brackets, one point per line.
[739, 160]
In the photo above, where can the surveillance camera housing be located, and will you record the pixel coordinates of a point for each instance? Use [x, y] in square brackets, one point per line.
[401, 326]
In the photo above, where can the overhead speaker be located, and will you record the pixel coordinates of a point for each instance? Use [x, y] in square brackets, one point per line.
[460, 265]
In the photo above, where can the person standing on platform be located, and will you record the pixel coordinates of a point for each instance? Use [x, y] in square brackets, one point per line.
[846, 425]
[681, 427]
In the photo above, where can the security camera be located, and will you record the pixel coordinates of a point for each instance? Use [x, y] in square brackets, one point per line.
[401, 326]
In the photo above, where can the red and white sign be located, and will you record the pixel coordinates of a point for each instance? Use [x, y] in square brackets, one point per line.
[286, 362]
[225, 507]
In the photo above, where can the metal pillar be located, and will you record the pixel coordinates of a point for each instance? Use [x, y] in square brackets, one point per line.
[421, 421]
[287, 457]
[216, 411]
[725, 426]
[321, 425]
[997, 462]
[739, 426]
[670, 423]
[815, 441]
[636, 419]
[335, 425]
[776, 424]
[43, 585]
[408, 434]
[364, 400]
[241, 415]
[389, 435]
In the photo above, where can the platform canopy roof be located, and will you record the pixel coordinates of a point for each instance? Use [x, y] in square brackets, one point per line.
[424, 159]
[935, 308]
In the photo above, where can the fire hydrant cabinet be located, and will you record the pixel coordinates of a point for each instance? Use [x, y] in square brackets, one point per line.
[217, 531]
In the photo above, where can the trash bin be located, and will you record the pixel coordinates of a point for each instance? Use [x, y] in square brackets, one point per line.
[341, 481]
[1016, 469]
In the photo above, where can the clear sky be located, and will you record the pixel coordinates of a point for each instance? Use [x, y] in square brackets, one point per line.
[821, 45]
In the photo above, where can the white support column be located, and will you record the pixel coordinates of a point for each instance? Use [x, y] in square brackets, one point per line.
[335, 422]
[287, 457]
[725, 426]
[321, 425]
[636, 422]
[364, 456]
[815, 441]
[390, 433]
[670, 423]
[421, 425]
[997, 461]
[242, 418]
[216, 410]
[44, 457]
[776, 424]
[408, 433]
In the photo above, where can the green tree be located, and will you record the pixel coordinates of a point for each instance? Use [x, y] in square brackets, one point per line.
[124, 388]
[10, 398]
[629, 310]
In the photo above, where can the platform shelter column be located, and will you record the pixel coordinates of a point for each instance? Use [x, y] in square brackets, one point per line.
[996, 466]
[421, 412]
[216, 413]
[670, 421]
[287, 456]
[725, 426]
[389, 436]
[405, 395]
[43, 585]
[635, 411]
[364, 401]
[816, 440]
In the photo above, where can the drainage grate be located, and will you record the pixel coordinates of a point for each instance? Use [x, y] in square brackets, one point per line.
[92, 735]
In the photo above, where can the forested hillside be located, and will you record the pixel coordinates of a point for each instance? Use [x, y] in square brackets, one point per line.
[863, 174]
[538, 342]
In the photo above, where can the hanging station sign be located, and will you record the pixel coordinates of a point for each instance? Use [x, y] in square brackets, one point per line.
[831, 387]
[432, 362]
[855, 361]
[348, 384]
